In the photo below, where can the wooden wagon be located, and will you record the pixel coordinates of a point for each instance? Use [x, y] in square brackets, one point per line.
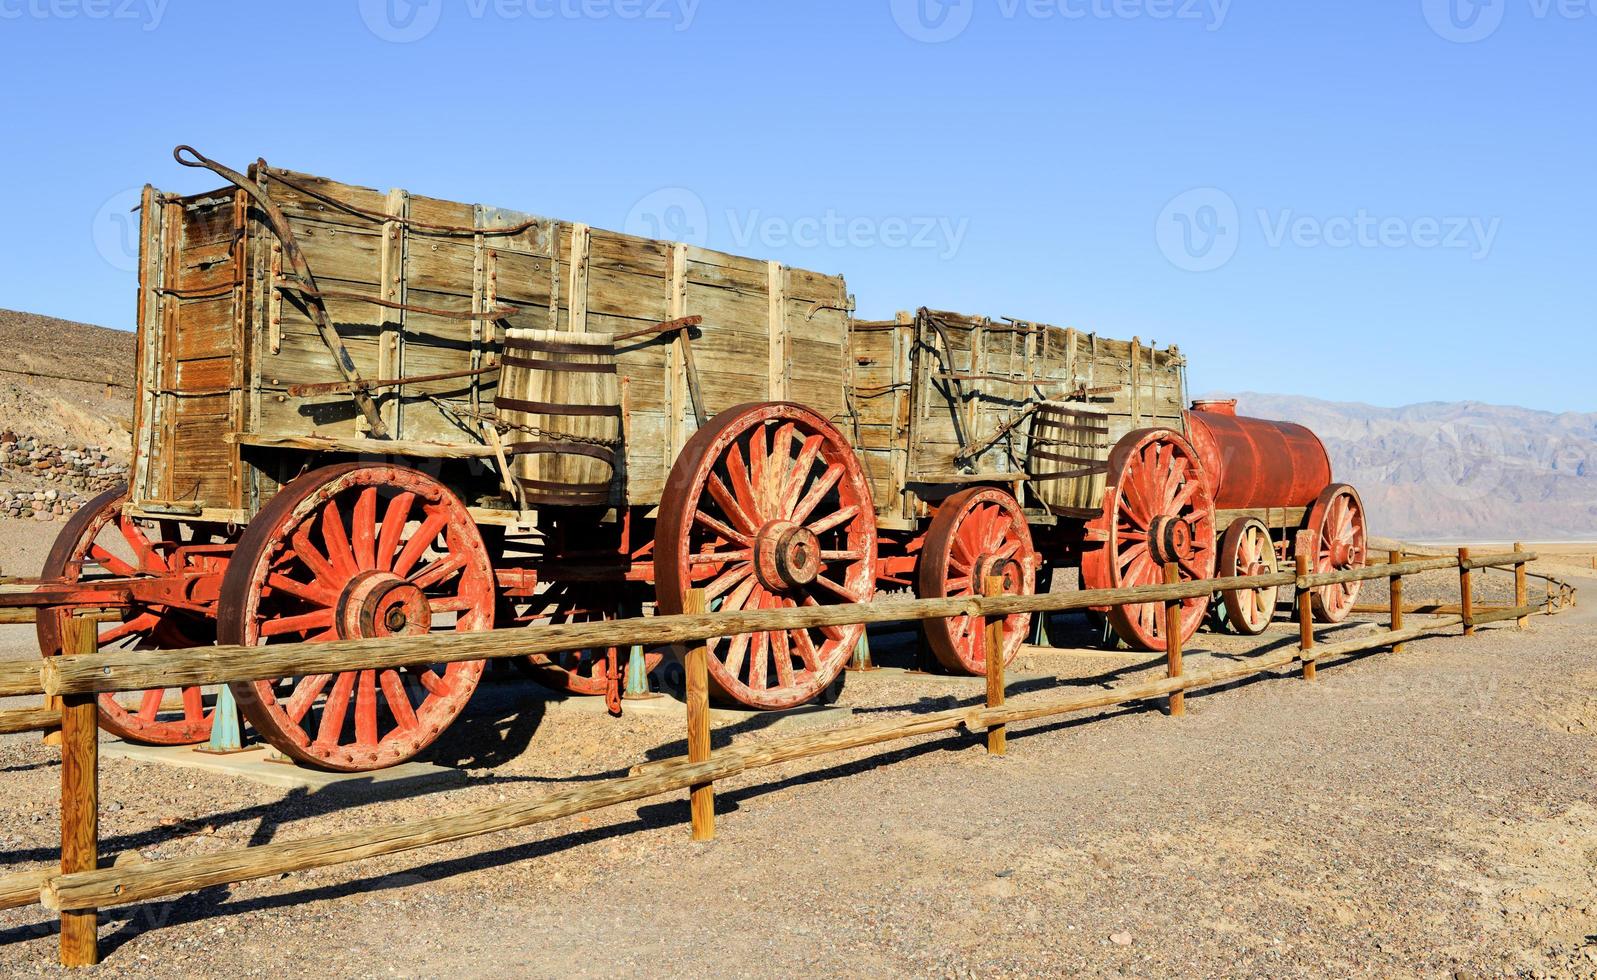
[369, 414]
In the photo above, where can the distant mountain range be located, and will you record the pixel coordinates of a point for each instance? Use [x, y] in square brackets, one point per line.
[1456, 470]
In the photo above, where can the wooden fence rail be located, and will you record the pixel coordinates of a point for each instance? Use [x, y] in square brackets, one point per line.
[81, 887]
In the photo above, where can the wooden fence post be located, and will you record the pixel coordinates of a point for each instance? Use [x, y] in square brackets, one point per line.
[1172, 642]
[993, 640]
[701, 797]
[1521, 586]
[80, 798]
[1305, 605]
[1394, 590]
[1466, 594]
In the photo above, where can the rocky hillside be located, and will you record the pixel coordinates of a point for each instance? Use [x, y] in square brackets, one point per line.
[64, 414]
[1458, 469]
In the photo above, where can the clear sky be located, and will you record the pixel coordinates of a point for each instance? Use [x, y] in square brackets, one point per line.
[1376, 200]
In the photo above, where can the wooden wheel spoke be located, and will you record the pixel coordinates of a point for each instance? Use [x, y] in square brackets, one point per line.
[339, 551]
[759, 651]
[830, 632]
[806, 649]
[419, 543]
[365, 534]
[738, 470]
[757, 474]
[839, 516]
[150, 703]
[732, 508]
[141, 623]
[308, 591]
[841, 590]
[193, 703]
[143, 551]
[336, 709]
[303, 623]
[817, 492]
[439, 571]
[798, 475]
[719, 557]
[366, 708]
[726, 580]
[395, 517]
[314, 560]
[306, 691]
[727, 534]
[111, 563]
[398, 700]
[438, 685]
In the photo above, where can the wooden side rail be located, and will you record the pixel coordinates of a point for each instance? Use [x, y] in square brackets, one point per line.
[134, 671]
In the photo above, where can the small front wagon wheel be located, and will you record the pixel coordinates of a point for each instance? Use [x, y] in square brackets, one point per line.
[348, 552]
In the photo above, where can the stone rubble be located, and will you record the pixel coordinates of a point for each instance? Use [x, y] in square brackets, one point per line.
[44, 482]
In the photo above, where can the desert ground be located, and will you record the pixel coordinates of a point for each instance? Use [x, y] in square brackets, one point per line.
[1430, 813]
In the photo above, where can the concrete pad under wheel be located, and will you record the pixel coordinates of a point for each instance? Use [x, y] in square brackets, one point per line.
[254, 764]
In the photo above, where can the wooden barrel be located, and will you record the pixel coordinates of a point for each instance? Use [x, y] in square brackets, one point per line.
[559, 393]
[1068, 458]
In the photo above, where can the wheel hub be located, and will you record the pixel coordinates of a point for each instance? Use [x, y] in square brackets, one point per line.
[1170, 539]
[786, 555]
[988, 566]
[377, 604]
[1341, 554]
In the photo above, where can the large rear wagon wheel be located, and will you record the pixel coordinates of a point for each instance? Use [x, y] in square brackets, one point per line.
[976, 534]
[1157, 509]
[346, 552]
[98, 542]
[1340, 543]
[768, 508]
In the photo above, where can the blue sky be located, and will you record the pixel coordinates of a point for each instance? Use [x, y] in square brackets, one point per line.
[1378, 200]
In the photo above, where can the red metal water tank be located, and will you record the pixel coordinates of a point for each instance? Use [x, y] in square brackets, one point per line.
[1256, 462]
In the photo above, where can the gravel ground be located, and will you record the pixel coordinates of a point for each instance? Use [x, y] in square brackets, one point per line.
[1422, 814]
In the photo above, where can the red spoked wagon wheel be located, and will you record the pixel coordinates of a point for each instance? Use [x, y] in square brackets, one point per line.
[1247, 549]
[1156, 509]
[351, 551]
[581, 672]
[1337, 520]
[976, 534]
[768, 508]
[100, 542]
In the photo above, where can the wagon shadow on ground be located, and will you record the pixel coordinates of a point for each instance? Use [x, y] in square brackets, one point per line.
[213, 903]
